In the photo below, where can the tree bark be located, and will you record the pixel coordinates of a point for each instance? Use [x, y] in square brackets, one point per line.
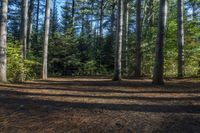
[46, 39]
[73, 12]
[138, 57]
[100, 38]
[0, 10]
[198, 73]
[127, 39]
[101, 22]
[54, 19]
[37, 21]
[125, 34]
[113, 22]
[180, 38]
[3, 39]
[30, 24]
[119, 39]
[159, 58]
[24, 27]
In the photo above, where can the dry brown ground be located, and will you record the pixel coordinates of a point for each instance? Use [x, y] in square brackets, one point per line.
[100, 106]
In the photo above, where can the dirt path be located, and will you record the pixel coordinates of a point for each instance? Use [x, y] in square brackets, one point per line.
[100, 106]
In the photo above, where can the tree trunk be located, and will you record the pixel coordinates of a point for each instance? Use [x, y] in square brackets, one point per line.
[100, 38]
[0, 10]
[3, 39]
[119, 39]
[198, 73]
[138, 57]
[37, 21]
[180, 38]
[46, 39]
[159, 58]
[101, 22]
[54, 19]
[113, 25]
[30, 24]
[73, 12]
[125, 34]
[24, 27]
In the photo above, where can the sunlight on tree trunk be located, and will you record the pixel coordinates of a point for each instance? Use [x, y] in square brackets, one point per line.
[3, 39]
[180, 10]
[30, 24]
[159, 58]
[46, 40]
[119, 39]
[24, 27]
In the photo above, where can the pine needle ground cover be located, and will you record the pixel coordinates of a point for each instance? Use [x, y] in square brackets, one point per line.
[77, 105]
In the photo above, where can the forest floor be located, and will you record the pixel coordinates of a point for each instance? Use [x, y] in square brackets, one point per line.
[78, 105]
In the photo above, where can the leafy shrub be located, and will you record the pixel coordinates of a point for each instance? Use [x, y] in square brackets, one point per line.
[19, 69]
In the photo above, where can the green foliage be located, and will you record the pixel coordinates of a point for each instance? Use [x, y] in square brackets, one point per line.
[19, 69]
[63, 54]
[89, 68]
[92, 68]
[76, 47]
[171, 50]
[192, 48]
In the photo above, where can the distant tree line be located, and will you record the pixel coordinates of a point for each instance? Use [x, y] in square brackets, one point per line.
[100, 37]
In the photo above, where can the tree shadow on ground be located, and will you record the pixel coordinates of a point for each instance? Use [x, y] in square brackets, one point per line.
[18, 93]
[118, 107]
[182, 84]
[22, 99]
[108, 86]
